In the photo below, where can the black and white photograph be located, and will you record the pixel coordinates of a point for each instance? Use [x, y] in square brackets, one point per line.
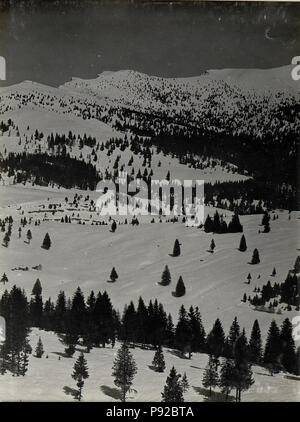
[149, 202]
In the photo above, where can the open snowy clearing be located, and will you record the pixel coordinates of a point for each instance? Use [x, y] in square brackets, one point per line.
[49, 379]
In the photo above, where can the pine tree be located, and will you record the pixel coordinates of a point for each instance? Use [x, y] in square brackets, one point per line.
[288, 349]
[113, 275]
[80, 374]
[37, 288]
[46, 242]
[173, 391]
[274, 272]
[29, 236]
[255, 257]
[234, 333]
[243, 244]
[216, 339]
[243, 373]
[4, 279]
[210, 377]
[273, 348]
[208, 225]
[180, 288]
[124, 370]
[158, 360]
[255, 344]
[6, 239]
[113, 227]
[39, 351]
[227, 377]
[212, 245]
[185, 383]
[249, 278]
[166, 277]
[176, 248]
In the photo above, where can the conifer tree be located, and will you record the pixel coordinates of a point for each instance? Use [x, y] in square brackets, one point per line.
[113, 275]
[39, 351]
[227, 377]
[173, 391]
[255, 344]
[113, 226]
[183, 332]
[274, 272]
[216, 339]
[210, 377]
[6, 239]
[29, 236]
[234, 333]
[37, 288]
[124, 370]
[80, 374]
[255, 257]
[243, 244]
[197, 330]
[166, 277]
[208, 225]
[288, 349]
[176, 248]
[273, 348]
[4, 279]
[158, 360]
[46, 242]
[180, 288]
[185, 383]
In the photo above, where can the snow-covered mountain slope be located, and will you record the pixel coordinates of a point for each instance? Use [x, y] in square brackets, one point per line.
[240, 100]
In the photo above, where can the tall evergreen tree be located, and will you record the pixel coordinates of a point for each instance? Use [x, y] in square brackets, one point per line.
[39, 351]
[176, 248]
[28, 236]
[180, 288]
[46, 242]
[173, 391]
[210, 377]
[37, 288]
[288, 349]
[255, 344]
[183, 332]
[124, 370]
[185, 383]
[216, 339]
[243, 244]
[166, 277]
[255, 257]
[4, 279]
[273, 348]
[113, 275]
[158, 360]
[227, 377]
[80, 373]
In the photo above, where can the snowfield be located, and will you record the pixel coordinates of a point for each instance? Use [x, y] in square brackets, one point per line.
[49, 379]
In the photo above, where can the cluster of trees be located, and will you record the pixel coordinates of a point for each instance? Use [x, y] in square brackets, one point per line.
[14, 351]
[45, 169]
[94, 322]
[287, 292]
[218, 225]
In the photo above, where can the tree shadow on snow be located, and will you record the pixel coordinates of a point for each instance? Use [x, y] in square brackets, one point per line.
[111, 392]
[214, 396]
[178, 354]
[70, 391]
